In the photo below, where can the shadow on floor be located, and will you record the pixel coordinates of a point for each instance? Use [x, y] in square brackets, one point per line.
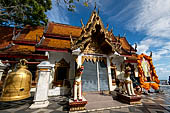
[15, 104]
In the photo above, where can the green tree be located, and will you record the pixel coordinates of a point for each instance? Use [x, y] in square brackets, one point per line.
[23, 12]
[31, 12]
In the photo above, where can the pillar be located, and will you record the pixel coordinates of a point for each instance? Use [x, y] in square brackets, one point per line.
[109, 73]
[77, 88]
[41, 94]
[2, 67]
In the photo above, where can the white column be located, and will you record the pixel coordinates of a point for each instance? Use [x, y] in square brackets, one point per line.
[98, 79]
[79, 61]
[75, 92]
[80, 91]
[41, 94]
[2, 67]
[109, 73]
[136, 70]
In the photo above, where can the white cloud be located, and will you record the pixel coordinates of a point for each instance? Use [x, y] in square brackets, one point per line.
[126, 11]
[162, 73]
[152, 17]
[98, 3]
[58, 13]
[145, 44]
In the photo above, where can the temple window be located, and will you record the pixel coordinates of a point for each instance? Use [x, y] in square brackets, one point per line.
[61, 75]
[63, 72]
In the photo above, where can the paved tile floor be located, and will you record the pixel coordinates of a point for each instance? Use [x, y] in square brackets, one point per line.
[152, 103]
[57, 105]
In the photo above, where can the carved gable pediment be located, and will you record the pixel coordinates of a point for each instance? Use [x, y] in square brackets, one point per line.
[96, 36]
[92, 48]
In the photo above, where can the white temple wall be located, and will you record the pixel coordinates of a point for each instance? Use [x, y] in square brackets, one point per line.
[55, 57]
[111, 87]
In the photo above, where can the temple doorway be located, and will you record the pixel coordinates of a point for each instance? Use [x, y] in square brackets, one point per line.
[95, 77]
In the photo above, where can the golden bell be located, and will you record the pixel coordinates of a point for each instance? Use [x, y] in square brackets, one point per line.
[17, 84]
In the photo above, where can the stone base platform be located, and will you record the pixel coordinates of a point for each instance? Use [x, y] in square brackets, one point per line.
[42, 104]
[77, 105]
[129, 99]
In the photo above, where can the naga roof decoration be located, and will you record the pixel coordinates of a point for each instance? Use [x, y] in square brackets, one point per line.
[96, 34]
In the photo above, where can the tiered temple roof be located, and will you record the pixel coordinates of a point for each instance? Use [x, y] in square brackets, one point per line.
[22, 44]
[56, 37]
[62, 30]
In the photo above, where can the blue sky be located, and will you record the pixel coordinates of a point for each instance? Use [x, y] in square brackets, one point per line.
[145, 22]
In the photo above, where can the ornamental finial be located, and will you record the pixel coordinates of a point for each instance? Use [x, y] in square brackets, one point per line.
[95, 5]
[135, 47]
[151, 54]
[82, 23]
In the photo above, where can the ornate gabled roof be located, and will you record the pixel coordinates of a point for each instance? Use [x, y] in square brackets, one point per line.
[56, 36]
[126, 45]
[95, 32]
[126, 49]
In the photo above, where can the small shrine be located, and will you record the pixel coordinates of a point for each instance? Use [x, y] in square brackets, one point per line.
[147, 74]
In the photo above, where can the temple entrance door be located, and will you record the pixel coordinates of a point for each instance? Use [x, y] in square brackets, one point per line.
[89, 77]
[94, 77]
[103, 77]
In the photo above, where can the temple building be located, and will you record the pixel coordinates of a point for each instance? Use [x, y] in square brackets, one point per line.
[103, 55]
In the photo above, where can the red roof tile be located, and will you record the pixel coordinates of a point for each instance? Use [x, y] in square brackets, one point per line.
[6, 34]
[24, 49]
[125, 44]
[31, 33]
[63, 30]
[55, 43]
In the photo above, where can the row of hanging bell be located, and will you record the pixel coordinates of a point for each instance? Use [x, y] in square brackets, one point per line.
[17, 83]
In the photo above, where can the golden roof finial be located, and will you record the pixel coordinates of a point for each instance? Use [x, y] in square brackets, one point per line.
[95, 5]
[107, 27]
[151, 54]
[111, 30]
[82, 23]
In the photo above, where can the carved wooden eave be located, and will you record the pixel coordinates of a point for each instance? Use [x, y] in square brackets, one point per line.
[95, 32]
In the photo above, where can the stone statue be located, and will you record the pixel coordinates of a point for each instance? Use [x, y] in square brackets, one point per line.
[77, 89]
[128, 82]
